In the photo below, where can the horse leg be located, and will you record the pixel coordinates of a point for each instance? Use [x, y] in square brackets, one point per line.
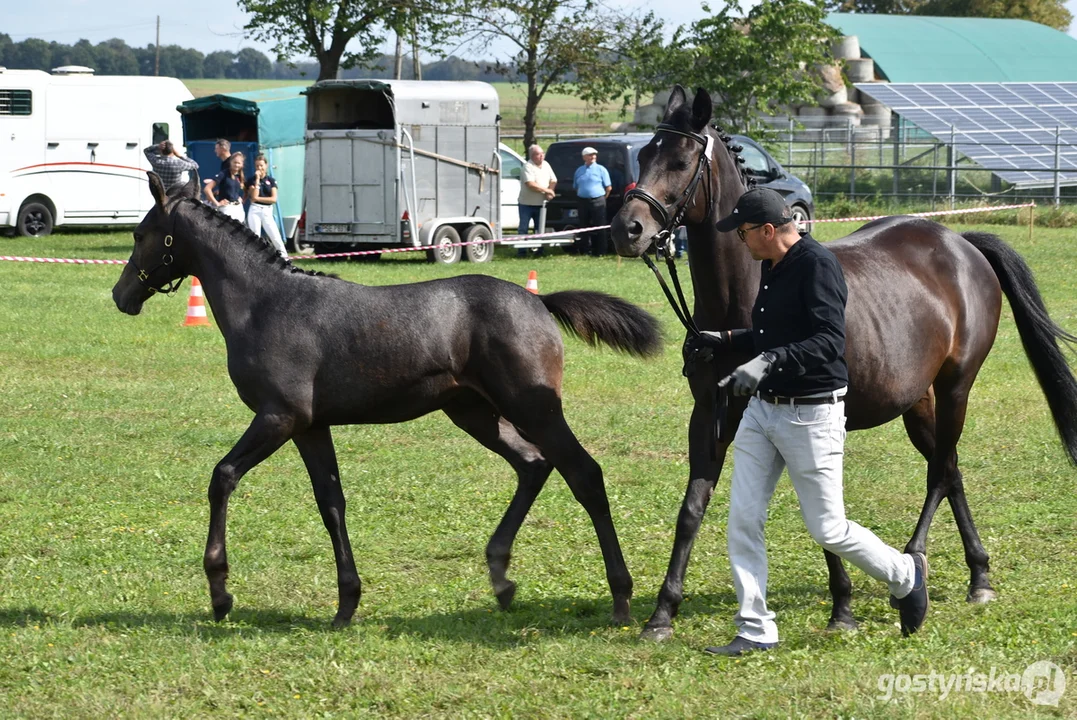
[544, 424]
[841, 591]
[266, 433]
[316, 448]
[703, 476]
[920, 427]
[481, 421]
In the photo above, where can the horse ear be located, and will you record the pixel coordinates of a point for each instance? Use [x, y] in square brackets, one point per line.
[702, 109]
[157, 189]
[676, 99]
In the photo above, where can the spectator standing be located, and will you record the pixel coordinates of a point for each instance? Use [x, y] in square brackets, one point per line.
[592, 184]
[262, 195]
[225, 190]
[537, 187]
[167, 163]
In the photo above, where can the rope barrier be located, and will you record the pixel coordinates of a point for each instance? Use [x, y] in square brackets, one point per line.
[509, 240]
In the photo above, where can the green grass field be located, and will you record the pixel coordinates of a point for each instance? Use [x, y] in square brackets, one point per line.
[112, 424]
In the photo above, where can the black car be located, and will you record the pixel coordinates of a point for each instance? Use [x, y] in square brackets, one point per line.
[619, 154]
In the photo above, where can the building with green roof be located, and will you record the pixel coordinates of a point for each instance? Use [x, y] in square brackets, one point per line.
[914, 48]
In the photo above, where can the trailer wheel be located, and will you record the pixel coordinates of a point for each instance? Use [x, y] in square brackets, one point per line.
[34, 220]
[446, 249]
[483, 252]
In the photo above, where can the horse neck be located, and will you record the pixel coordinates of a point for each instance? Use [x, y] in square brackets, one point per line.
[725, 278]
[235, 273]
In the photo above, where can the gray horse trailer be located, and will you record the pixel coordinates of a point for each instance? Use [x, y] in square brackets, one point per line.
[403, 163]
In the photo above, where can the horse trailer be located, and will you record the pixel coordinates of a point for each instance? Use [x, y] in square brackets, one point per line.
[403, 163]
[71, 146]
[269, 121]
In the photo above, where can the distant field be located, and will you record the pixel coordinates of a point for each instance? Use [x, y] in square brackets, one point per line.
[557, 111]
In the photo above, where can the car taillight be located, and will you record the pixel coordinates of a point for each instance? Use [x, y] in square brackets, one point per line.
[303, 221]
[630, 186]
[405, 217]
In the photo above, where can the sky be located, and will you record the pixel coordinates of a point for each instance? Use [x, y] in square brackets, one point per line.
[207, 25]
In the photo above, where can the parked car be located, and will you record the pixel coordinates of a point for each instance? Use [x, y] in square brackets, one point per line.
[620, 156]
[512, 166]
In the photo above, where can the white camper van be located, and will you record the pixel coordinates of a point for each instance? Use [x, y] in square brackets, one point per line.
[71, 146]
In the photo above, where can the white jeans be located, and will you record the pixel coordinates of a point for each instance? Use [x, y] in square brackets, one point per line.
[233, 210]
[260, 217]
[810, 441]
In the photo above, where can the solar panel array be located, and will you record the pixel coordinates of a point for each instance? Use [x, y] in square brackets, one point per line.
[1007, 128]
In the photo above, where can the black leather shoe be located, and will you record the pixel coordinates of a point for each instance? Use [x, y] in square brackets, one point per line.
[913, 607]
[739, 646]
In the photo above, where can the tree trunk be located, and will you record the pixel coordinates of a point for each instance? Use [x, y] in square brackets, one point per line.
[530, 110]
[417, 67]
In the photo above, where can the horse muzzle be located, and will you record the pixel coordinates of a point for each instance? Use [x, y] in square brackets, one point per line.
[633, 230]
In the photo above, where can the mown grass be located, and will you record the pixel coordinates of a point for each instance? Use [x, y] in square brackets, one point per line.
[111, 425]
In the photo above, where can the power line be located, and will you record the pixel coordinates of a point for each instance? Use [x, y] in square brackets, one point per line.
[27, 35]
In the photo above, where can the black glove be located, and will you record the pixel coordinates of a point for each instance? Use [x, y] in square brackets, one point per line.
[747, 377]
[701, 348]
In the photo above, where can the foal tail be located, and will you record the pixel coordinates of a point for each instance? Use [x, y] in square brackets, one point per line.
[597, 317]
[1039, 334]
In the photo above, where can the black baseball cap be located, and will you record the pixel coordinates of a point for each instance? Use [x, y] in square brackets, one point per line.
[757, 206]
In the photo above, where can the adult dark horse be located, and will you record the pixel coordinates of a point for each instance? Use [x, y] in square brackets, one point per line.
[307, 351]
[923, 310]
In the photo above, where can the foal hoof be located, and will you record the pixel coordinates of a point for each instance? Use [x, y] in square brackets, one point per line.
[981, 595]
[622, 612]
[506, 595]
[341, 621]
[221, 609]
[842, 624]
[656, 634]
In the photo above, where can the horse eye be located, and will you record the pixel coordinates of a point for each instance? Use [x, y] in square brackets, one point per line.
[138, 237]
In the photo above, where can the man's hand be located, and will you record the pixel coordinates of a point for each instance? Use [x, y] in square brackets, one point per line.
[746, 378]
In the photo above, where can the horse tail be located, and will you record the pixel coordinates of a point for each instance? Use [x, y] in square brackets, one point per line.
[597, 317]
[1039, 334]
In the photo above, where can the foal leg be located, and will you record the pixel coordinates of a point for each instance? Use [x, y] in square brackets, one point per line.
[316, 447]
[266, 433]
[544, 424]
[481, 421]
[703, 476]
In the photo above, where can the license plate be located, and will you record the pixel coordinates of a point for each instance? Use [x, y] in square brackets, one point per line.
[332, 228]
[572, 213]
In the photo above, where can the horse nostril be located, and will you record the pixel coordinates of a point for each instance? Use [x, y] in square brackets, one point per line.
[635, 229]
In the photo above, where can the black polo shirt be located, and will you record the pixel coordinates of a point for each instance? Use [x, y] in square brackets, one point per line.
[799, 315]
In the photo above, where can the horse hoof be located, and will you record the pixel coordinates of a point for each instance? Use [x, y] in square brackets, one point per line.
[981, 595]
[656, 634]
[845, 624]
[506, 595]
[221, 610]
[622, 612]
[340, 621]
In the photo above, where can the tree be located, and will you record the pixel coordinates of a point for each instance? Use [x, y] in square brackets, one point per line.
[757, 63]
[252, 64]
[115, 57]
[30, 54]
[1052, 13]
[324, 29]
[218, 64]
[553, 43]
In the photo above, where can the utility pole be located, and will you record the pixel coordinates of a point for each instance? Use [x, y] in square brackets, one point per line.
[399, 64]
[417, 68]
[157, 58]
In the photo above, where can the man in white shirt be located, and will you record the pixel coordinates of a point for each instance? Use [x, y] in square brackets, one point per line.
[537, 187]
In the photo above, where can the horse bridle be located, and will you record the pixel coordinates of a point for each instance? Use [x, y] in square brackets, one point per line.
[166, 259]
[671, 217]
[663, 243]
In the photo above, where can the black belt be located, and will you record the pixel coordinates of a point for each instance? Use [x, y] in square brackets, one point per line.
[780, 400]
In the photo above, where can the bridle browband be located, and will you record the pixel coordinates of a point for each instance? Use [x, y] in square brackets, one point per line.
[663, 244]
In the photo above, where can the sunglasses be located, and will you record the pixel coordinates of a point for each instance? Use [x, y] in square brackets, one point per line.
[741, 232]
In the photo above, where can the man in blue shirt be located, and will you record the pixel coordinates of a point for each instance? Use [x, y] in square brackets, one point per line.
[592, 185]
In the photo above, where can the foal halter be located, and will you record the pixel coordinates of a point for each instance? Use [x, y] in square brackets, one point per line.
[167, 259]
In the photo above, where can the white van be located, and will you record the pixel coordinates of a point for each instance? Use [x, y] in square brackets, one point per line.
[71, 146]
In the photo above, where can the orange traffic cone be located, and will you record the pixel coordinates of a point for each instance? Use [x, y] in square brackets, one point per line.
[532, 282]
[196, 305]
